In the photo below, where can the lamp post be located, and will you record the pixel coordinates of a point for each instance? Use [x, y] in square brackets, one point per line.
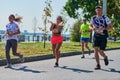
[34, 28]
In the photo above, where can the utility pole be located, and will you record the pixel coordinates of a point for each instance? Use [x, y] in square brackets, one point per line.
[104, 7]
[34, 28]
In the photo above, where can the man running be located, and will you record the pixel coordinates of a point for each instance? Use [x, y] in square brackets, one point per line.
[100, 24]
[85, 35]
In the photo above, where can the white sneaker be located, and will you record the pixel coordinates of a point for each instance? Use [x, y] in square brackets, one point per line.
[21, 58]
[8, 65]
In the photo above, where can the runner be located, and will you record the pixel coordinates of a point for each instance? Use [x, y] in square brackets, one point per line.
[100, 24]
[56, 39]
[85, 35]
[12, 30]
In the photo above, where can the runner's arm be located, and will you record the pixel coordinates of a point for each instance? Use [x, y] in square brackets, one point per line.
[52, 26]
[109, 27]
[59, 28]
[5, 34]
[17, 32]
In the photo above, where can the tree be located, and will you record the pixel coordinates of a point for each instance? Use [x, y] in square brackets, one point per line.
[75, 31]
[72, 8]
[47, 13]
[116, 30]
[64, 20]
[88, 6]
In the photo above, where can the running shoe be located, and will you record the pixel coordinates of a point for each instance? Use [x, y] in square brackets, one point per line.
[83, 56]
[8, 65]
[21, 58]
[106, 61]
[56, 65]
[89, 52]
[97, 67]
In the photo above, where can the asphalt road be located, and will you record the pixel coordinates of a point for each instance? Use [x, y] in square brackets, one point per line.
[71, 68]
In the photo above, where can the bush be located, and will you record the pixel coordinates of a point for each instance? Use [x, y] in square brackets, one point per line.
[75, 32]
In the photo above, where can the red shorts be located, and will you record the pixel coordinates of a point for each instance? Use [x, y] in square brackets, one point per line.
[56, 39]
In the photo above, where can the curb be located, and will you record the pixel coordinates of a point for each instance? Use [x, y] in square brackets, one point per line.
[44, 57]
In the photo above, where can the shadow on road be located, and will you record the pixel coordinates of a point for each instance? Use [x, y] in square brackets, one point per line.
[100, 59]
[111, 70]
[24, 68]
[76, 70]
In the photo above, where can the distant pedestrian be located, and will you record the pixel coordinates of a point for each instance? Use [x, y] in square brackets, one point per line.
[56, 39]
[100, 24]
[12, 30]
[85, 36]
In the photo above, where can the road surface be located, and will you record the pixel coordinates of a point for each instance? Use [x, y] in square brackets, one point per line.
[71, 68]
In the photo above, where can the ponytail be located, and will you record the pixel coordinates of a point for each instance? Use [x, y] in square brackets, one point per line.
[17, 18]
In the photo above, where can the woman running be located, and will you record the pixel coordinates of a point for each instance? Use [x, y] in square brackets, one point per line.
[56, 39]
[12, 30]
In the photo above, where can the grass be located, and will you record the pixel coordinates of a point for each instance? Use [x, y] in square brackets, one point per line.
[33, 49]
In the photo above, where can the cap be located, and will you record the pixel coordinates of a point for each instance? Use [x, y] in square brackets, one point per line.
[98, 7]
[84, 19]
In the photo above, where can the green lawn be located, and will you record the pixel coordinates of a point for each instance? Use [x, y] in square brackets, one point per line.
[32, 49]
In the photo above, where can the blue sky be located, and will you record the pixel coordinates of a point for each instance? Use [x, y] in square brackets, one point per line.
[28, 9]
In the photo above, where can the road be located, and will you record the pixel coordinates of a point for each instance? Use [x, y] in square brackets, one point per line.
[71, 68]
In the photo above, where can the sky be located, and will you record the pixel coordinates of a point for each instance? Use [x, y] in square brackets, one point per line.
[28, 9]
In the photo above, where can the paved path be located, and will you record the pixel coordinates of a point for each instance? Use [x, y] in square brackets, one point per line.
[71, 68]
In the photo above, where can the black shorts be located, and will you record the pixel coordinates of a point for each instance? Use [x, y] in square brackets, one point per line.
[100, 42]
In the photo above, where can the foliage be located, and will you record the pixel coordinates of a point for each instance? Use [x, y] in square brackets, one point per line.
[75, 31]
[72, 8]
[64, 21]
[88, 6]
[115, 32]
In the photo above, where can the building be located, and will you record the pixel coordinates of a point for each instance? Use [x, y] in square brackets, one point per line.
[33, 37]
